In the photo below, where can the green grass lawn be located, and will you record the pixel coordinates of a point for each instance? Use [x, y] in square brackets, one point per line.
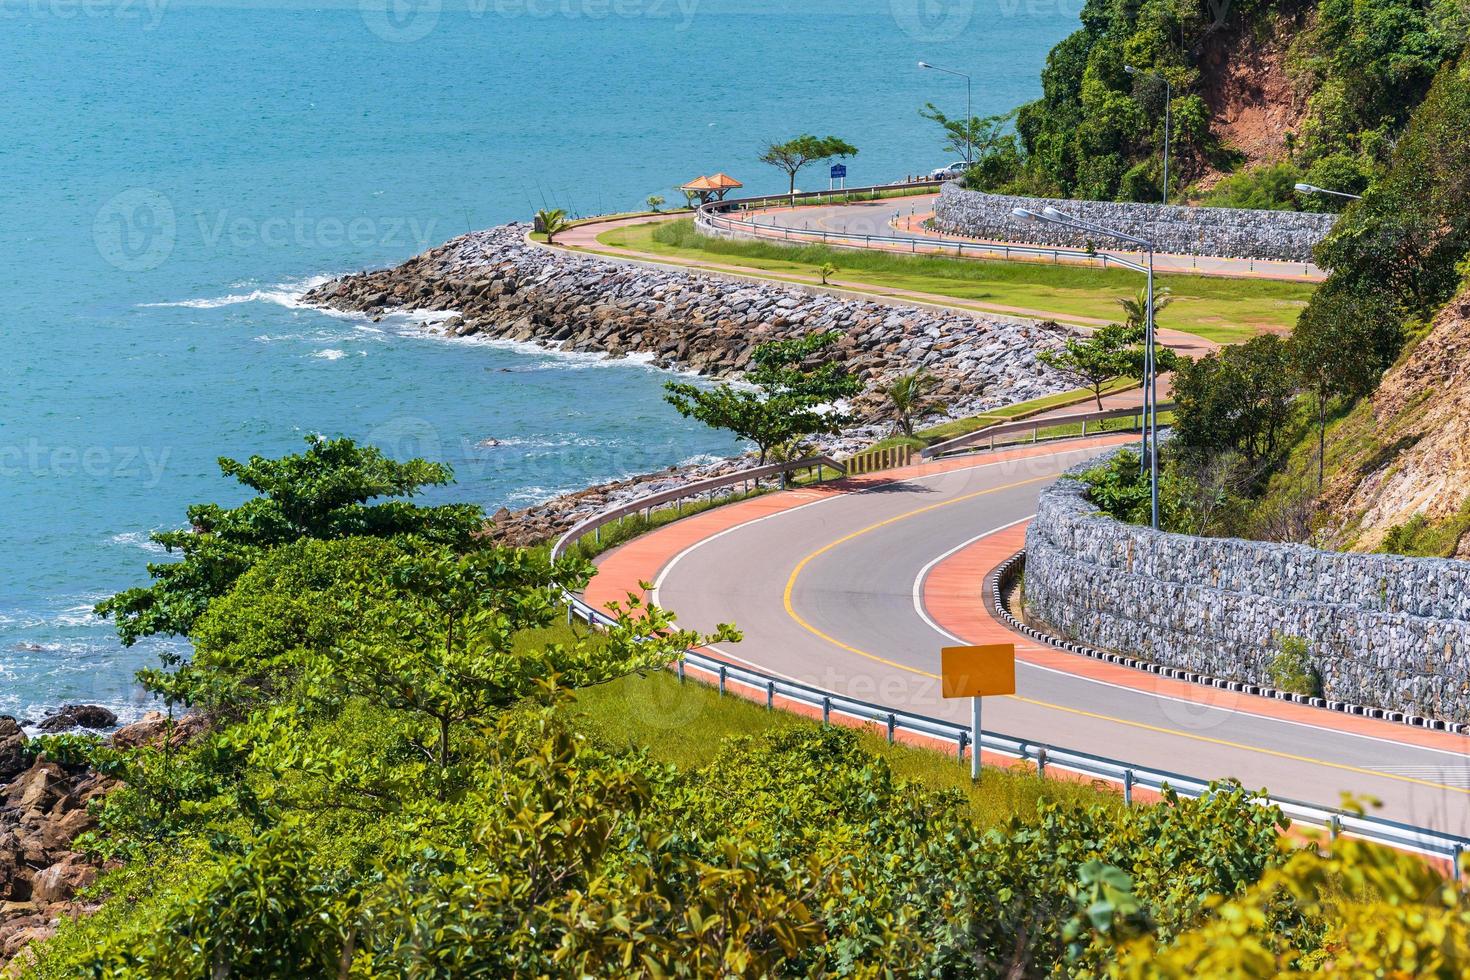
[1218, 309]
[686, 725]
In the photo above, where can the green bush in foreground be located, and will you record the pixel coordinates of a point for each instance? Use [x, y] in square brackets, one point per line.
[398, 782]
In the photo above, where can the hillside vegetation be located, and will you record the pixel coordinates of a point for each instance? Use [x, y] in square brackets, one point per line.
[1268, 91]
[1306, 439]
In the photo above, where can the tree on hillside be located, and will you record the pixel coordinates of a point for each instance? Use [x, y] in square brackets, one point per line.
[793, 391]
[323, 493]
[1342, 344]
[443, 647]
[791, 156]
[910, 396]
[1235, 400]
[986, 142]
[1135, 308]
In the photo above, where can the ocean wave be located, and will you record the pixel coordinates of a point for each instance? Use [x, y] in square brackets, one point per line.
[288, 294]
[330, 354]
[139, 539]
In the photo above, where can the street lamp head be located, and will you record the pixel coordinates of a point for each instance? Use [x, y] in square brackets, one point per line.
[925, 64]
[1306, 188]
[1130, 69]
[1053, 213]
[1028, 215]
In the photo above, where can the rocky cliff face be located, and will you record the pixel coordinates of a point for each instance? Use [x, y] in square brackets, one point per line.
[1403, 459]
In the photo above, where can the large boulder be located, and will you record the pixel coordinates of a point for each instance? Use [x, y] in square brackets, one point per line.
[78, 716]
[13, 756]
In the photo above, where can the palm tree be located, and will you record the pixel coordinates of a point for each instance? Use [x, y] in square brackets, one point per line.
[1135, 308]
[551, 221]
[910, 396]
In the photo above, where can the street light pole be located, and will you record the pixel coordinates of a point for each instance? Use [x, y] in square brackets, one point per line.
[1314, 189]
[1150, 447]
[1168, 118]
[969, 130]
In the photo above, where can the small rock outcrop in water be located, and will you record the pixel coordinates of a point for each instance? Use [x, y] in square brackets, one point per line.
[70, 716]
[495, 284]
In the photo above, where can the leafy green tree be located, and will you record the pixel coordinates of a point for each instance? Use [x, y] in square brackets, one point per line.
[910, 396]
[1091, 362]
[1267, 188]
[1343, 343]
[987, 143]
[1235, 399]
[789, 157]
[323, 493]
[655, 201]
[551, 222]
[444, 647]
[793, 391]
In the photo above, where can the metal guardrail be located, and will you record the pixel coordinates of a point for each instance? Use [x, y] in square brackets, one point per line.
[1043, 755]
[1034, 426]
[699, 488]
[714, 217]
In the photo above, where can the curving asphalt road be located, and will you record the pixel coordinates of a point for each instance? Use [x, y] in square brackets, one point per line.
[838, 590]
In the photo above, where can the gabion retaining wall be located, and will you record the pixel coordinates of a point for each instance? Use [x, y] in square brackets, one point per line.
[1382, 630]
[1219, 232]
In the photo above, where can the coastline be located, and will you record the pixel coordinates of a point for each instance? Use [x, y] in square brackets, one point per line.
[494, 285]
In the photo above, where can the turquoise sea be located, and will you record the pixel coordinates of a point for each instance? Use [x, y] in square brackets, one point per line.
[173, 174]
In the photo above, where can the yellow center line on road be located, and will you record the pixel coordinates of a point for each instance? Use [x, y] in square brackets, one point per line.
[1273, 753]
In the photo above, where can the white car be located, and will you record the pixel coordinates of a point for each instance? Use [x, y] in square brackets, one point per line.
[950, 172]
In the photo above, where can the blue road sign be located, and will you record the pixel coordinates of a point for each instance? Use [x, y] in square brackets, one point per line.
[838, 170]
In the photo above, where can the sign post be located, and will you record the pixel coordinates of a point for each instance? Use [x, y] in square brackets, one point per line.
[838, 173]
[973, 672]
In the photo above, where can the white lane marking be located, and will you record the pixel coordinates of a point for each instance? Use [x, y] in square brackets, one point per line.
[664, 572]
[1451, 777]
[918, 592]
[923, 575]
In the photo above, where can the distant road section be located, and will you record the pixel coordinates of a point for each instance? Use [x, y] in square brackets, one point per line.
[905, 216]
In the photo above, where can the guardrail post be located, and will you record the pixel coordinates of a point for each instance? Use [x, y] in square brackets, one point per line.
[826, 710]
[1127, 787]
[569, 615]
[992, 443]
[723, 669]
[770, 695]
[1334, 826]
[1084, 427]
[964, 741]
[1041, 763]
[892, 724]
[597, 534]
[681, 670]
[1456, 856]
[1035, 434]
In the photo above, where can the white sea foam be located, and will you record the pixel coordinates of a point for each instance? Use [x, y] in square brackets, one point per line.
[287, 294]
[138, 539]
[330, 354]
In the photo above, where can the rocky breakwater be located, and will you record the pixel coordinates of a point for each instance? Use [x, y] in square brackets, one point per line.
[495, 284]
[45, 804]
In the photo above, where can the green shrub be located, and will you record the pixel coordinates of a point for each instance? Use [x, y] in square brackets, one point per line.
[1292, 668]
[1268, 188]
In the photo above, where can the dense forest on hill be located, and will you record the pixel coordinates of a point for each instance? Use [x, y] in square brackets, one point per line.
[1263, 94]
[1284, 438]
